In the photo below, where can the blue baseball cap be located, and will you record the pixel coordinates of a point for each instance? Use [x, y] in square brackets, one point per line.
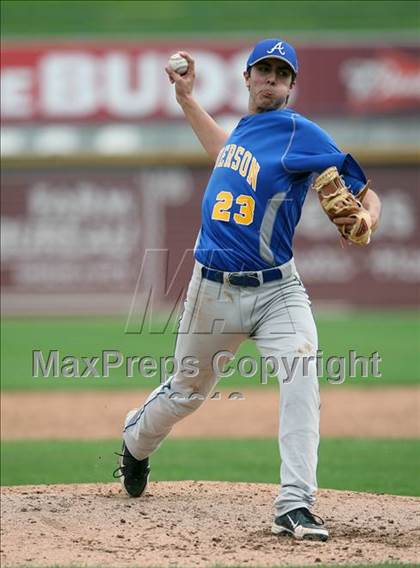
[273, 48]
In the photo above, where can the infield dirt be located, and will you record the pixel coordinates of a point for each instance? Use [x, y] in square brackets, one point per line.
[197, 524]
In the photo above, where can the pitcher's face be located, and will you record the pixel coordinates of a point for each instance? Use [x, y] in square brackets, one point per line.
[269, 83]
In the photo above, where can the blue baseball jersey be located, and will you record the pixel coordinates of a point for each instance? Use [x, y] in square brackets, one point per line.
[254, 198]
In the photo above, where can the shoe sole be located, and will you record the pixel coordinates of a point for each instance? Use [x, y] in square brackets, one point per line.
[315, 535]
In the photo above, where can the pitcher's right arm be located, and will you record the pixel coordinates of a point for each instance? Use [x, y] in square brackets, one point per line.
[211, 136]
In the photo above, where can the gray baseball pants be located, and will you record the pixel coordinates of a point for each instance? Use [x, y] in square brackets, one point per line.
[218, 317]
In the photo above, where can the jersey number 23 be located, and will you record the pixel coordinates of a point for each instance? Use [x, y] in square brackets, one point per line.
[224, 201]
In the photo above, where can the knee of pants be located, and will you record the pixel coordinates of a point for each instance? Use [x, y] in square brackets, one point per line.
[200, 384]
[301, 345]
[184, 404]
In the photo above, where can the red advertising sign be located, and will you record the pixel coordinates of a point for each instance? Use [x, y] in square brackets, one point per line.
[120, 81]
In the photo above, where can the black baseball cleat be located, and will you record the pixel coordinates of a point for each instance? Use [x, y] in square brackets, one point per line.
[301, 524]
[133, 474]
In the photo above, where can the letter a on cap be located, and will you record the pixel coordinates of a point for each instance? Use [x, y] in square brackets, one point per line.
[279, 47]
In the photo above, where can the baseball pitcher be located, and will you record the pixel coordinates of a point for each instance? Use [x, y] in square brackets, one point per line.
[245, 283]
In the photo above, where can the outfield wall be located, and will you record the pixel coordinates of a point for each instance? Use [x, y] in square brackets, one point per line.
[82, 236]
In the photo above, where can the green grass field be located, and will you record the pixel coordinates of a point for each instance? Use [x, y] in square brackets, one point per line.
[180, 17]
[347, 464]
[394, 335]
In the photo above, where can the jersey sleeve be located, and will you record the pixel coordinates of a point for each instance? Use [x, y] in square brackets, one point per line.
[311, 150]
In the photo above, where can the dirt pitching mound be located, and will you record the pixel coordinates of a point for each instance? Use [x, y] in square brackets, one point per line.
[196, 524]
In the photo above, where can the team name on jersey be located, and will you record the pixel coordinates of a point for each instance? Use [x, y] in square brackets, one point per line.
[240, 160]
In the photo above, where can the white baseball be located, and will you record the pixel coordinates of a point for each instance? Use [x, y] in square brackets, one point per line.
[178, 63]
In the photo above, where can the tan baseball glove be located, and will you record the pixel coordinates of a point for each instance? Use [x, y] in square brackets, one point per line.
[338, 202]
